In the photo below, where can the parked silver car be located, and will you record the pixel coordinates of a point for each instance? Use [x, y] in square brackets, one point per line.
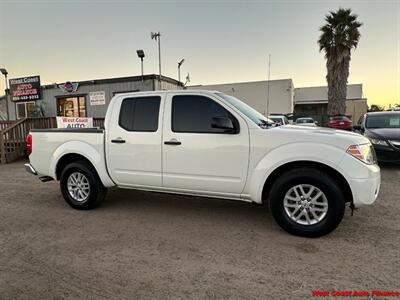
[306, 122]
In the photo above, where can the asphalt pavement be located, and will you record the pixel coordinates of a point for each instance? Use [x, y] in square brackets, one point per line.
[140, 245]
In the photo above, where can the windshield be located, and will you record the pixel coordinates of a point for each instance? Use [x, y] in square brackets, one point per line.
[249, 112]
[298, 121]
[383, 121]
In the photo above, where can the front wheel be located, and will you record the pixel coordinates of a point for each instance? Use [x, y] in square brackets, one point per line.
[81, 187]
[307, 202]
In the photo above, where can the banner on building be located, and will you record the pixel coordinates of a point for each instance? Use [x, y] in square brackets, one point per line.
[25, 88]
[97, 98]
[74, 122]
[69, 87]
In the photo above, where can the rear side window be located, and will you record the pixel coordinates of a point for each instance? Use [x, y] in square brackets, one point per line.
[140, 114]
[191, 113]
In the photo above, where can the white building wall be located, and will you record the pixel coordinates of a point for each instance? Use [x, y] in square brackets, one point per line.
[319, 94]
[255, 94]
[356, 104]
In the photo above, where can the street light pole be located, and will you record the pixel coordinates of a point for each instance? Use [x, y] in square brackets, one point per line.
[140, 54]
[157, 36]
[5, 73]
[179, 69]
[141, 61]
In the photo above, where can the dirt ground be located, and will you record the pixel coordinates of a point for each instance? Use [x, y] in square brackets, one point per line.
[151, 246]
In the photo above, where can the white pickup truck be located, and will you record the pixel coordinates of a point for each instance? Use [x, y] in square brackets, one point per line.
[206, 143]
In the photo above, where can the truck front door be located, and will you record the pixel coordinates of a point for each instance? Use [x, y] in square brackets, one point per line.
[196, 155]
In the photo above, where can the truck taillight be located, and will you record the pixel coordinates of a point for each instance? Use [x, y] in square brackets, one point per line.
[29, 144]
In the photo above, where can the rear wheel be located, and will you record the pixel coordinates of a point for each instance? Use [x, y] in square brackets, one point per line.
[307, 202]
[81, 187]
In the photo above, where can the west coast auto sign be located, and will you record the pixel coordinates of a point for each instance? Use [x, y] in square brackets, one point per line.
[74, 122]
[25, 88]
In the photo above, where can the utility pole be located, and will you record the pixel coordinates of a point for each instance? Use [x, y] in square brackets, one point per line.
[157, 36]
[269, 77]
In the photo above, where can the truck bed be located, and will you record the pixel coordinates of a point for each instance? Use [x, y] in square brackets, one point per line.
[50, 144]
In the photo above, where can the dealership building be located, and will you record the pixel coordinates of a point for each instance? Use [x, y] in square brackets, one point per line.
[314, 101]
[90, 98]
[76, 99]
[280, 97]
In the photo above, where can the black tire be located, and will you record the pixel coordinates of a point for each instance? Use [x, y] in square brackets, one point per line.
[97, 191]
[318, 179]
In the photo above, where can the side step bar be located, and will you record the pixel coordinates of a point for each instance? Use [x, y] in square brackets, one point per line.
[45, 178]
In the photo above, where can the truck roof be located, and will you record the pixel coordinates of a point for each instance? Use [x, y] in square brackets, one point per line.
[170, 91]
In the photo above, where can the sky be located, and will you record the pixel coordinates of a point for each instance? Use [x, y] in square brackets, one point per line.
[221, 41]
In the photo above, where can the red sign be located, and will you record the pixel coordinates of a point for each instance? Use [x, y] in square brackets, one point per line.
[25, 89]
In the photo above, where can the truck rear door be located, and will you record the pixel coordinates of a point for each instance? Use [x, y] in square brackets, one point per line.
[133, 140]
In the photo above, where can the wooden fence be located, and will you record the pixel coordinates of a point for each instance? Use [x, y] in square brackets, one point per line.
[5, 124]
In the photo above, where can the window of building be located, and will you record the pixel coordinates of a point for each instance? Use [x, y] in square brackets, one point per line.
[25, 109]
[71, 107]
[191, 113]
[140, 114]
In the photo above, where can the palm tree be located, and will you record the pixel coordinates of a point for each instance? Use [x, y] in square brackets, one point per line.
[339, 36]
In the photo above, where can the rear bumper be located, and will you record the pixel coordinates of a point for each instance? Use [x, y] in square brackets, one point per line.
[350, 127]
[30, 169]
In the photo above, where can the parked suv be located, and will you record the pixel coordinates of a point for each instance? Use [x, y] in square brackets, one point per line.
[383, 130]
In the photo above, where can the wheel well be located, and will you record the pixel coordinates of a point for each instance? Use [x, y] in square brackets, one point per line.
[338, 177]
[67, 159]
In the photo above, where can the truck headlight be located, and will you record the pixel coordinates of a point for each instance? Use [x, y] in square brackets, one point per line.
[364, 152]
[379, 142]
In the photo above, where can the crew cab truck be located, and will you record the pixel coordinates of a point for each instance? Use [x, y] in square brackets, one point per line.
[206, 143]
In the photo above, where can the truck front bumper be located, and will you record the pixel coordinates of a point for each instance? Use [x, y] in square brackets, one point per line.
[365, 191]
[364, 180]
[30, 169]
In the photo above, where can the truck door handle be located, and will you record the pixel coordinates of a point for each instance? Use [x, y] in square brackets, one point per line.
[172, 142]
[118, 141]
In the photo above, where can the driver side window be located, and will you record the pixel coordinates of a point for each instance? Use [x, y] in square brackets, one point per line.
[195, 114]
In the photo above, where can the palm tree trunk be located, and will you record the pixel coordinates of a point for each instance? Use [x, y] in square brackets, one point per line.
[338, 71]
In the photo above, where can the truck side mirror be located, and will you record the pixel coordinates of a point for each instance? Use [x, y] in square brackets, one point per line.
[223, 123]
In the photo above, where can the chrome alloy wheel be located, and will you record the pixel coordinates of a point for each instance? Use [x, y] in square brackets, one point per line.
[78, 186]
[305, 204]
